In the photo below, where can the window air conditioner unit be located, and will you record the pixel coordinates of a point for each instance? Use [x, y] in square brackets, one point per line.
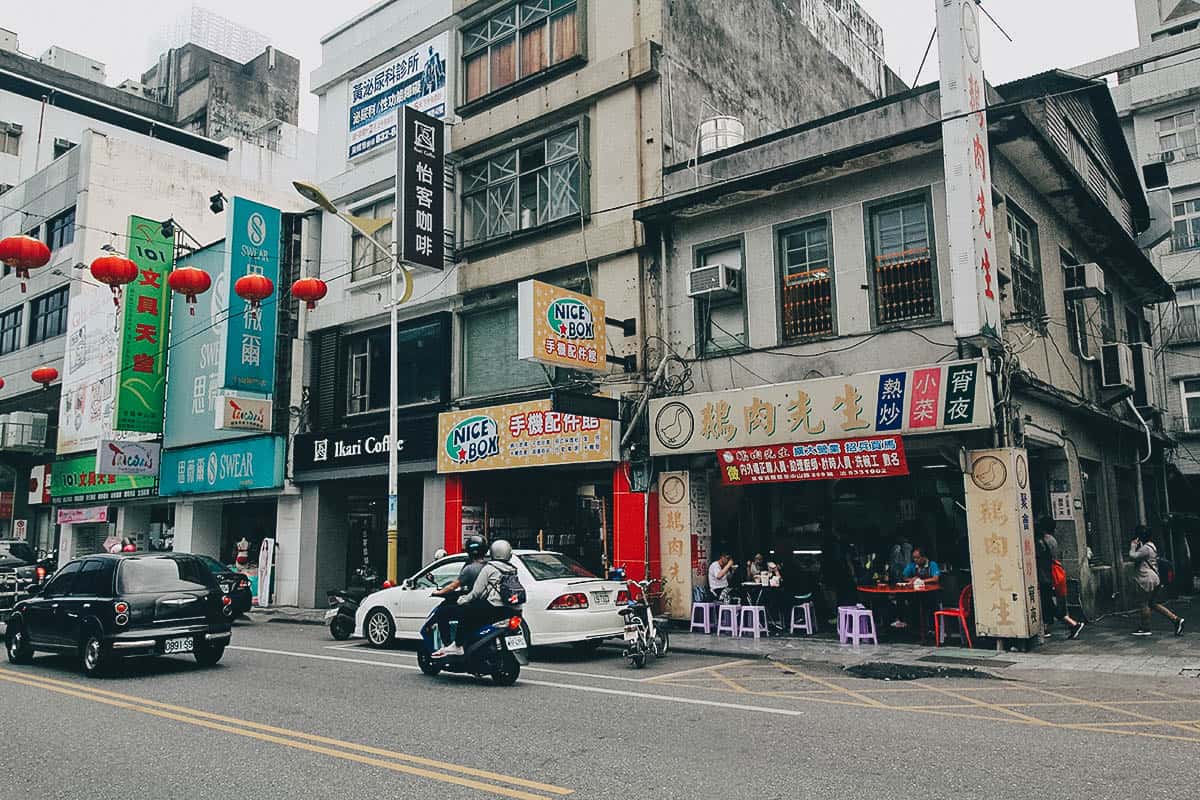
[714, 279]
[63, 143]
[24, 430]
[1167, 156]
[1116, 366]
[1143, 376]
[16, 128]
[1083, 280]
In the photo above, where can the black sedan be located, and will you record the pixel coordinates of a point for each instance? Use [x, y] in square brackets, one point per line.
[105, 607]
[232, 583]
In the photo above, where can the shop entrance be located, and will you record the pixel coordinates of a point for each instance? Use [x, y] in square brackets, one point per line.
[243, 527]
[366, 526]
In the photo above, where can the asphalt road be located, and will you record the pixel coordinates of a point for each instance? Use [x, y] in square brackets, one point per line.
[289, 713]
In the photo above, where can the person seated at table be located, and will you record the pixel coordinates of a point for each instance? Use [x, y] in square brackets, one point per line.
[756, 565]
[922, 567]
[718, 578]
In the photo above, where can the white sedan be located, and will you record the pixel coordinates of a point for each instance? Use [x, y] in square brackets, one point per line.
[565, 603]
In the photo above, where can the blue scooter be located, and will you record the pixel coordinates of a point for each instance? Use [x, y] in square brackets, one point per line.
[498, 649]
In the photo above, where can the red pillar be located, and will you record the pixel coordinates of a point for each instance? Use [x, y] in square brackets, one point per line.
[454, 513]
[629, 535]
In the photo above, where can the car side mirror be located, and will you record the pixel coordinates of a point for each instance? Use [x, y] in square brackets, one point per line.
[407, 583]
[34, 589]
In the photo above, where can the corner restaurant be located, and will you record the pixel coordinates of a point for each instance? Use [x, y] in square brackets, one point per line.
[872, 458]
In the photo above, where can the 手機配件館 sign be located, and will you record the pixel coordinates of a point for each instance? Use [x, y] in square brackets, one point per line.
[560, 327]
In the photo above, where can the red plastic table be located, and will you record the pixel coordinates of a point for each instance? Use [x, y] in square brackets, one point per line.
[906, 588]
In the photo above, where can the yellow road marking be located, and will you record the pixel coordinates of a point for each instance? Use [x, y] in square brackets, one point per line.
[1118, 710]
[983, 704]
[290, 738]
[862, 698]
[732, 684]
[673, 675]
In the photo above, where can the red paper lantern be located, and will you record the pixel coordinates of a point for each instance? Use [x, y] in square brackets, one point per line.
[45, 376]
[310, 290]
[189, 281]
[1, 383]
[23, 253]
[116, 271]
[254, 288]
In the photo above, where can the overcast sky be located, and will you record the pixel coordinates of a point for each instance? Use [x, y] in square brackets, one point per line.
[1046, 33]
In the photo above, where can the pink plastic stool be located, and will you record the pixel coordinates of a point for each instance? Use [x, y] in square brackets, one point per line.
[703, 617]
[856, 625]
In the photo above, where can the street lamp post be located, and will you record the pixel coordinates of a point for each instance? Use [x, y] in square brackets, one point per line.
[368, 227]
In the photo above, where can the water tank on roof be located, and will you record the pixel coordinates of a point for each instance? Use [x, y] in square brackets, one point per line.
[719, 133]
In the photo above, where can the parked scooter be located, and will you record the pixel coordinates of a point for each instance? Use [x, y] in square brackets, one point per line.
[498, 649]
[644, 634]
[344, 603]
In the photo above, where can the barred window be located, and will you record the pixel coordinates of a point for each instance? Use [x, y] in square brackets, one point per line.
[904, 274]
[1026, 264]
[520, 41]
[807, 289]
[532, 185]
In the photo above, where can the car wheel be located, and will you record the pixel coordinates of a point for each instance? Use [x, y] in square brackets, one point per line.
[92, 656]
[17, 644]
[508, 671]
[208, 655]
[340, 629]
[379, 628]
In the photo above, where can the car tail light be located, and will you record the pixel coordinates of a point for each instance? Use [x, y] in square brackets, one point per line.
[623, 597]
[226, 605]
[387, 584]
[121, 611]
[514, 623]
[568, 602]
[41, 574]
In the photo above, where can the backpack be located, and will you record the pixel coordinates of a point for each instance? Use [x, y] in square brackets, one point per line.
[1164, 569]
[1060, 578]
[512, 592]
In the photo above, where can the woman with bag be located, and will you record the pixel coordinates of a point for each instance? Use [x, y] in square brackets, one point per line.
[1047, 559]
[1144, 554]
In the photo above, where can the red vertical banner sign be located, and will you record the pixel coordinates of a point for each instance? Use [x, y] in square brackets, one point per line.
[926, 391]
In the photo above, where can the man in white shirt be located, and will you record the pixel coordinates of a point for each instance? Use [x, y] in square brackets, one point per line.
[718, 577]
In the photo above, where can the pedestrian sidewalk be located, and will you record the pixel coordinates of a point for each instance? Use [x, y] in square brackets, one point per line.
[1104, 646]
[292, 614]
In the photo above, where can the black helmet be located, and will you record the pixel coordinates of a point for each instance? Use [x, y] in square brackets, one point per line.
[476, 546]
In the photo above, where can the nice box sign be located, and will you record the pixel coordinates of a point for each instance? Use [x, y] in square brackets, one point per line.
[560, 327]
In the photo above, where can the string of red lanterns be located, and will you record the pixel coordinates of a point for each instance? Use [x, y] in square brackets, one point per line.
[23, 253]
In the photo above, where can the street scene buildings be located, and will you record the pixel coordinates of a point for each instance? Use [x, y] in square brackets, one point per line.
[695, 294]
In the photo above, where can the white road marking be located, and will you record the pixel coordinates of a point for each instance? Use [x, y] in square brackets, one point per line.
[683, 672]
[689, 701]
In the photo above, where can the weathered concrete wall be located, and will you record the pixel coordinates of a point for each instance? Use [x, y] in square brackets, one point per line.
[771, 63]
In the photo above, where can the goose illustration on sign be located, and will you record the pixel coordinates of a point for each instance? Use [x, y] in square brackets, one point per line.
[473, 439]
[127, 458]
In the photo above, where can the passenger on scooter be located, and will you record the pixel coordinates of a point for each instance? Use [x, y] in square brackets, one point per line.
[484, 604]
[450, 610]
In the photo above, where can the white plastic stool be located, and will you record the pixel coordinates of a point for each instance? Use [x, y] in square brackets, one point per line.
[752, 620]
[725, 612]
[807, 621]
[703, 617]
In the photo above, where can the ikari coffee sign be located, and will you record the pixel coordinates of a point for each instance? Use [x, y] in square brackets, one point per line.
[560, 327]
[522, 435]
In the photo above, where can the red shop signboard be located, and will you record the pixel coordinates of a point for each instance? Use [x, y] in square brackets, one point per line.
[867, 457]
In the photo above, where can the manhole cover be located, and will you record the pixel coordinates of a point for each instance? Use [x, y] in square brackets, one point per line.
[911, 672]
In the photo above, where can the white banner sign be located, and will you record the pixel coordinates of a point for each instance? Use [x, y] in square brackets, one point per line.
[127, 458]
[935, 398]
[1000, 535]
[76, 516]
[974, 280]
[416, 78]
[243, 414]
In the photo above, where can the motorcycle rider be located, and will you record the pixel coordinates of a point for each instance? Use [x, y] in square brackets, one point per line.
[449, 609]
[483, 604]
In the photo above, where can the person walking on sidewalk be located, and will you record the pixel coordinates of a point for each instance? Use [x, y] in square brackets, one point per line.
[1144, 554]
[1047, 555]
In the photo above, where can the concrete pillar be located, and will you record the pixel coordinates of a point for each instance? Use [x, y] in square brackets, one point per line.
[289, 549]
[433, 516]
[198, 529]
[310, 506]
[66, 543]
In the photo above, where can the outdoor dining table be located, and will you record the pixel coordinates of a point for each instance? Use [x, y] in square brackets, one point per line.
[905, 588]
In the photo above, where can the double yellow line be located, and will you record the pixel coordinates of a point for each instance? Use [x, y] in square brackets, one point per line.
[481, 780]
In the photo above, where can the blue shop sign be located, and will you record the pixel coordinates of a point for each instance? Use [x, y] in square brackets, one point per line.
[223, 467]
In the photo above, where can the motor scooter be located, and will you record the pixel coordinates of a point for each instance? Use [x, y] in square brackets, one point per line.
[644, 634]
[344, 603]
[497, 649]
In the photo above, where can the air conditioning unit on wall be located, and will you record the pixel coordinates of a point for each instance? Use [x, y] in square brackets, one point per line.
[1116, 366]
[1083, 280]
[714, 280]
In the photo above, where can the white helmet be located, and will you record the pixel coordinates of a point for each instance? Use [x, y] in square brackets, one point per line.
[439, 554]
[501, 550]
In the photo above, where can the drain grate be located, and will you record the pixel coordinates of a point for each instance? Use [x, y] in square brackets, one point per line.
[911, 672]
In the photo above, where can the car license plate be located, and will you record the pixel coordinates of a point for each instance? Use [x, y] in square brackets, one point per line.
[330, 614]
[631, 633]
[226, 587]
[600, 598]
[181, 645]
[514, 642]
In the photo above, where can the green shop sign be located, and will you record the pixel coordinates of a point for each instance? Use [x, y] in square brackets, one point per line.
[141, 380]
[74, 480]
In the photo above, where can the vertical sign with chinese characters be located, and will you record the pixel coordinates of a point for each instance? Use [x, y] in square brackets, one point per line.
[141, 380]
[252, 242]
[973, 278]
[1000, 534]
[422, 191]
[675, 542]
